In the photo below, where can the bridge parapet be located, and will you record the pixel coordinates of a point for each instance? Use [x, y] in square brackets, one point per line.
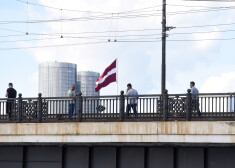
[119, 132]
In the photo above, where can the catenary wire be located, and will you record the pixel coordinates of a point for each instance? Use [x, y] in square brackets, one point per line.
[59, 45]
[72, 10]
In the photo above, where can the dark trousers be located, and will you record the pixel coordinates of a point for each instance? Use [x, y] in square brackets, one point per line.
[71, 110]
[128, 109]
[9, 105]
[195, 106]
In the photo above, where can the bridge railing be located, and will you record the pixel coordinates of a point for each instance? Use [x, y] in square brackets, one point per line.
[157, 107]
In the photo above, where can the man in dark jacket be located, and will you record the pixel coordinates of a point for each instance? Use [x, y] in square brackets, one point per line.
[11, 95]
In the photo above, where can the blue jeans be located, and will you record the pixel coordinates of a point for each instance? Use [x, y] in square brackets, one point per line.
[128, 109]
[71, 110]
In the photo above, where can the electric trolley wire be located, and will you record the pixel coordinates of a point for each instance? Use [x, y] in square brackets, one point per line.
[205, 32]
[73, 10]
[9, 41]
[90, 18]
[130, 30]
[116, 41]
[17, 31]
[198, 11]
[83, 37]
[87, 32]
[101, 17]
[209, 25]
[216, 39]
[104, 37]
[120, 15]
[59, 45]
[101, 36]
[12, 35]
[197, 6]
[98, 37]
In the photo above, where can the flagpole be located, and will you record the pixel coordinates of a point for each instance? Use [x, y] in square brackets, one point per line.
[117, 76]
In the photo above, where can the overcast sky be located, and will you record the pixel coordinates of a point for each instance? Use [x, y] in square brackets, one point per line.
[191, 54]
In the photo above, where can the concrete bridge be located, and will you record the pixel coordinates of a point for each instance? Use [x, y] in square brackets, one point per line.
[169, 132]
[175, 144]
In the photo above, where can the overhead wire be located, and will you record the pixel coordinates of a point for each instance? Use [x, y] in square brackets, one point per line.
[83, 37]
[129, 30]
[110, 15]
[200, 32]
[142, 12]
[12, 30]
[59, 45]
[99, 18]
[73, 10]
[8, 41]
[90, 18]
[12, 35]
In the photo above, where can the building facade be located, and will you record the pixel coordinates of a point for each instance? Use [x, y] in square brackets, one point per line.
[55, 78]
[86, 82]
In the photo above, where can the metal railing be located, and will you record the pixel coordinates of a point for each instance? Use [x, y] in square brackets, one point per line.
[166, 107]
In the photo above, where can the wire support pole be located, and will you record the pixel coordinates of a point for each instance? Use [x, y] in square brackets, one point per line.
[163, 81]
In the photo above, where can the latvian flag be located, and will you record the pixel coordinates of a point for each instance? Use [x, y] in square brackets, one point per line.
[107, 77]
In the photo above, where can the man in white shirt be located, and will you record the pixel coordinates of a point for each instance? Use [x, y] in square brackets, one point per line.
[131, 101]
[195, 98]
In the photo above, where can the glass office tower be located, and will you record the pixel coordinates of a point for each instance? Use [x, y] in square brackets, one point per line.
[55, 78]
[86, 83]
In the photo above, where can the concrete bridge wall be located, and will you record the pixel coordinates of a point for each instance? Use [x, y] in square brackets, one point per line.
[119, 132]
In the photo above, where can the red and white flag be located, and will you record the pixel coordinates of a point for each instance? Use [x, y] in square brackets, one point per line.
[107, 77]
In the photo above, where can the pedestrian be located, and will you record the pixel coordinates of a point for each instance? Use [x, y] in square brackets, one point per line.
[131, 101]
[71, 93]
[11, 95]
[195, 98]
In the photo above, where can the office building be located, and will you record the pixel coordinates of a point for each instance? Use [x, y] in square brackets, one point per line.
[86, 82]
[55, 78]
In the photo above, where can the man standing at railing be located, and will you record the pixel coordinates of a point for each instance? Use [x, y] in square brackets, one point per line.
[195, 98]
[11, 95]
[131, 101]
[71, 93]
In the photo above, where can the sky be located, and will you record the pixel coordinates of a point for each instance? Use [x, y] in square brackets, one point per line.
[200, 48]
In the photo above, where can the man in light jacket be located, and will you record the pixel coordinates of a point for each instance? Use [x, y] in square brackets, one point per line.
[131, 101]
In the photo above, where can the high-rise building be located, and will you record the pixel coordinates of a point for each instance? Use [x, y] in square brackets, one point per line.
[55, 78]
[86, 82]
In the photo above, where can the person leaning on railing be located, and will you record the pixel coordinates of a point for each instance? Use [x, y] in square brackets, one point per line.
[132, 101]
[71, 93]
[10, 94]
[195, 98]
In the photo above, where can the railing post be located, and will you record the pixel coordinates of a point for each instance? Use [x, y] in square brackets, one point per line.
[19, 108]
[39, 107]
[79, 99]
[188, 105]
[165, 105]
[122, 106]
[234, 104]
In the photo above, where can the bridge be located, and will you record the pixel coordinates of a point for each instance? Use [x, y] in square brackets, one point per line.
[168, 132]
